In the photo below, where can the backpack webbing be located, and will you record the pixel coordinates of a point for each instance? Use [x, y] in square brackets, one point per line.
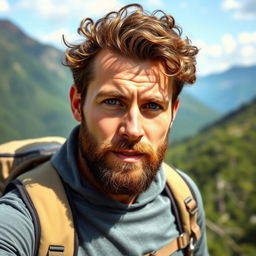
[48, 197]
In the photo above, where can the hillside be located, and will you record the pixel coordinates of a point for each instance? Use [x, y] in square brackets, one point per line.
[34, 92]
[191, 117]
[34, 87]
[226, 91]
[222, 161]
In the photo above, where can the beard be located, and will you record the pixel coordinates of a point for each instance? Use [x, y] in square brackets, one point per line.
[113, 175]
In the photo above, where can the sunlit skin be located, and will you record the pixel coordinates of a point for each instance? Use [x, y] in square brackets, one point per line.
[128, 99]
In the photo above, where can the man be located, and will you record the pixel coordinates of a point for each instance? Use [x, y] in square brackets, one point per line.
[128, 73]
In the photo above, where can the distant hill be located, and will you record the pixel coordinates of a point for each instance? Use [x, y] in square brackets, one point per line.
[226, 91]
[222, 160]
[191, 117]
[33, 87]
[34, 92]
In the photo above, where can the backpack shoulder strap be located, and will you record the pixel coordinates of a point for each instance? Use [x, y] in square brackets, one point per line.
[185, 210]
[49, 200]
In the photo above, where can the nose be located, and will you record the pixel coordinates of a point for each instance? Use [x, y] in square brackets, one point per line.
[132, 125]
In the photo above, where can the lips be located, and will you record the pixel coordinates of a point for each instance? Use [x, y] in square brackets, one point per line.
[129, 156]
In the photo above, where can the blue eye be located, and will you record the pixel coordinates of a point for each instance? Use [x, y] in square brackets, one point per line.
[153, 106]
[112, 102]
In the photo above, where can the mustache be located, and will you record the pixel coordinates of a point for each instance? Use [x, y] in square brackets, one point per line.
[139, 147]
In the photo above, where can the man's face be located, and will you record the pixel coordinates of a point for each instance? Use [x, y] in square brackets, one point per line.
[125, 122]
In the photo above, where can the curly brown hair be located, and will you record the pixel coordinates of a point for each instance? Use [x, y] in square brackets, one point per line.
[134, 33]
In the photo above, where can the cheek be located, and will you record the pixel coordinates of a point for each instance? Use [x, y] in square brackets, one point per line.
[107, 128]
[102, 127]
[158, 129]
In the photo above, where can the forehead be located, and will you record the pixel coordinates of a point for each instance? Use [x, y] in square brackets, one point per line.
[109, 66]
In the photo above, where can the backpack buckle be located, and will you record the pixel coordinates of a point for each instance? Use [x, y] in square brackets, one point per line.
[55, 250]
[191, 246]
[183, 241]
[191, 205]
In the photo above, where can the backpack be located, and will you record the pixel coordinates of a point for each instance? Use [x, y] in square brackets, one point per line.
[25, 164]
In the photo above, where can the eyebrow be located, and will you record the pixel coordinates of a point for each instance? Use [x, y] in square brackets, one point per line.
[110, 94]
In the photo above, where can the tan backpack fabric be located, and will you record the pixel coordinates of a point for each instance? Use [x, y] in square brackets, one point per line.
[45, 189]
[19, 156]
[42, 190]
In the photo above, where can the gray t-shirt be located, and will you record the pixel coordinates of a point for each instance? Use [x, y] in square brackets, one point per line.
[104, 226]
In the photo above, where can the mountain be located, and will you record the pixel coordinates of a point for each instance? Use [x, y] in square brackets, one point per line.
[226, 91]
[191, 117]
[34, 92]
[222, 160]
[33, 87]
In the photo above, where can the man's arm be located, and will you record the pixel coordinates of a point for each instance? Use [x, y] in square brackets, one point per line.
[16, 226]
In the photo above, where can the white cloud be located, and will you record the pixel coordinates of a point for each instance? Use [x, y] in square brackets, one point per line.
[214, 51]
[243, 10]
[158, 3]
[247, 38]
[55, 38]
[247, 51]
[230, 4]
[229, 51]
[68, 9]
[228, 43]
[244, 16]
[99, 7]
[4, 6]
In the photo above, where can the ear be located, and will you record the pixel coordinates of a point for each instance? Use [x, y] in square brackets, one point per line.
[175, 108]
[75, 103]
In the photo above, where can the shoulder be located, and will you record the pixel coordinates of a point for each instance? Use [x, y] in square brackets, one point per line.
[16, 226]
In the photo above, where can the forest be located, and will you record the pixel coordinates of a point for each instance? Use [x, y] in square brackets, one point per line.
[222, 159]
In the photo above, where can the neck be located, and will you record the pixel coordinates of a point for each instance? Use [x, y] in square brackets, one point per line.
[83, 168]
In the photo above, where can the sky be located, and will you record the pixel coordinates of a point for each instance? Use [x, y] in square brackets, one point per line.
[223, 30]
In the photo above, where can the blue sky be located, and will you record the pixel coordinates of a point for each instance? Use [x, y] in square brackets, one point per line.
[224, 30]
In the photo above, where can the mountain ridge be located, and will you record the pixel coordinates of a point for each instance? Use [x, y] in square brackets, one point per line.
[32, 93]
[226, 91]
